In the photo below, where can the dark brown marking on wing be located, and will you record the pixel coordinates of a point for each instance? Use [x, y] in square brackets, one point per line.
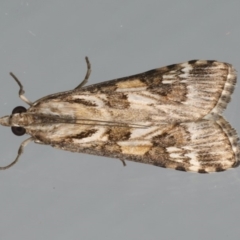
[236, 164]
[172, 67]
[159, 164]
[118, 134]
[210, 62]
[220, 169]
[202, 69]
[181, 168]
[192, 62]
[43, 119]
[85, 134]
[173, 92]
[164, 140]
[178, 93]
[117, 101]
[162, 89]
[83, 102]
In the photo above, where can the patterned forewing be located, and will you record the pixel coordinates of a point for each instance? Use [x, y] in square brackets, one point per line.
[201, 146]
[177, 93]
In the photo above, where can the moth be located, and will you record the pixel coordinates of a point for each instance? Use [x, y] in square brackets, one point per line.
[169, 117]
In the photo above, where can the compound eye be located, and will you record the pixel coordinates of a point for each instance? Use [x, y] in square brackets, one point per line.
[19, 109]
[18, 131]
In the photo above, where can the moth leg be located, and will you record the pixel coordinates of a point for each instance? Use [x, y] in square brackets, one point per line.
[20, 151]
[123, 162]
[21, 91]
[87, 74]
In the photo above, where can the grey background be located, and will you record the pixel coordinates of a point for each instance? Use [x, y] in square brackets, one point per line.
[52, 194]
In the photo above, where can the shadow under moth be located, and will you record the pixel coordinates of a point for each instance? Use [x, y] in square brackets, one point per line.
[168, 117]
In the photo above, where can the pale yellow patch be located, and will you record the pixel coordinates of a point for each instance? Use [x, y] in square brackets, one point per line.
[136, 83]
[135, 150]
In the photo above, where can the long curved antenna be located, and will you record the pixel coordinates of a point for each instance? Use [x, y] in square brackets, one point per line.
[20, 151]
[21, 91]
[87, 74]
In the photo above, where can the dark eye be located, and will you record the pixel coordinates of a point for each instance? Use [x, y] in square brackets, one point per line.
[19, 109]
[19, 131]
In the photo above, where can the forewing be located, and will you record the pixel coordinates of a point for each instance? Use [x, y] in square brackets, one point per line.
[202, 146]
[177, 93]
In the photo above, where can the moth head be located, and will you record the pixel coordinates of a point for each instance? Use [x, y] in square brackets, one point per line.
[13, 121]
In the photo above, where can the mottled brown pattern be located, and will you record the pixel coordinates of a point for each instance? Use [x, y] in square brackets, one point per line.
[118, 134]
[118, 101]
[157, 156]
[152, 78]
[178, 93]
[162, 89]
[111, 148]
[164, 140]
[180, 134]
[83, 101]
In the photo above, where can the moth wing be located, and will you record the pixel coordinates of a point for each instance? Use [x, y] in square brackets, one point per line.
[182, 92]
[202, 146]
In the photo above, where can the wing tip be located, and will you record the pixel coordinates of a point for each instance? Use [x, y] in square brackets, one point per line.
[227, 91]
[233, 138]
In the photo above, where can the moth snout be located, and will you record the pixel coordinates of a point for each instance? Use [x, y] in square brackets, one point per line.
[5, 121]
[10, 121]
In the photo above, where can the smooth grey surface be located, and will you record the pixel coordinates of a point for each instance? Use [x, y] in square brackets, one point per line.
[52, 194]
